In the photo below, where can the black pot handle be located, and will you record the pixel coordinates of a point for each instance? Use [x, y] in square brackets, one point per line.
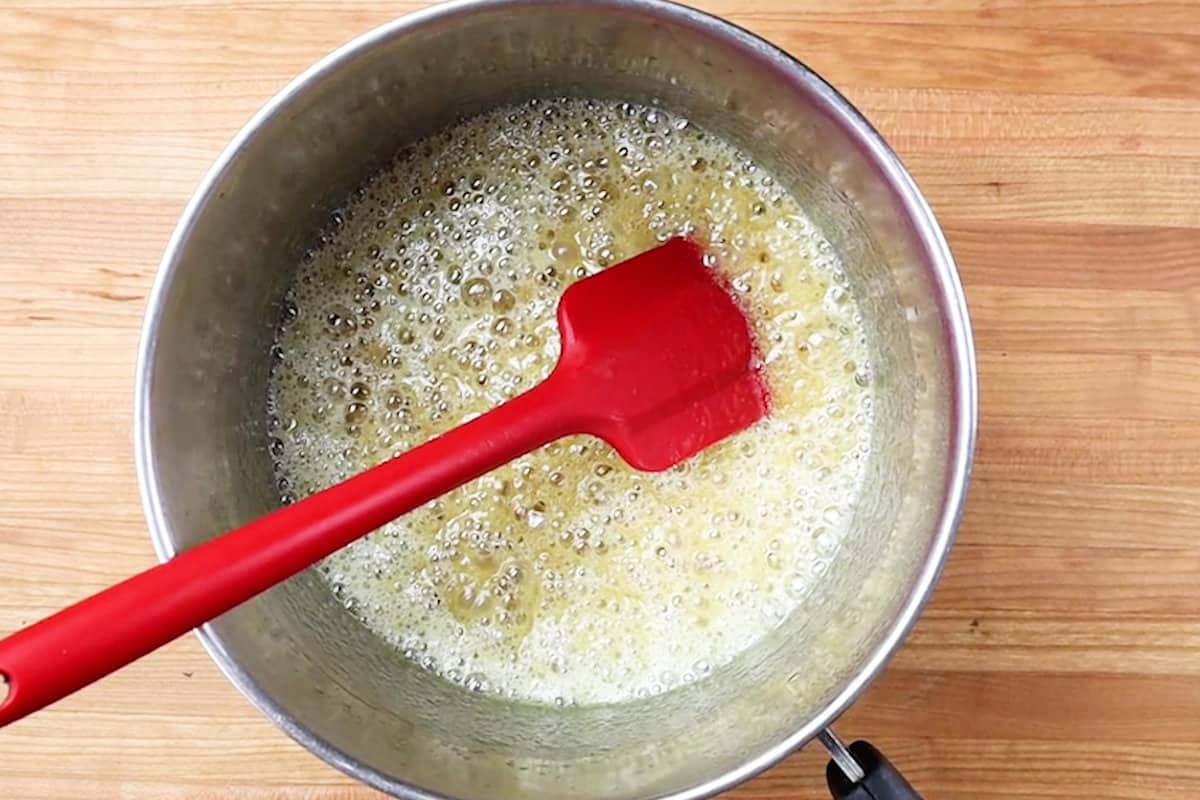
[860, 772]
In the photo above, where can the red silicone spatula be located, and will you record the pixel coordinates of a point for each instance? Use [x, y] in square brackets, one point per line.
[657, 359]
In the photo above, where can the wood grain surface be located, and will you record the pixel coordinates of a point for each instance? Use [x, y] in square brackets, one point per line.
[1059, 142]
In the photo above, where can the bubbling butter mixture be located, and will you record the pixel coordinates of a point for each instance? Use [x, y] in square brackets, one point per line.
[567, 576]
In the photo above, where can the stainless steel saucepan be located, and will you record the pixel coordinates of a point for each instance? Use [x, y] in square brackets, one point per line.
[201, 439]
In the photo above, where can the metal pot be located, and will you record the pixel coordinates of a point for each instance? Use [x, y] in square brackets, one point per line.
[200, 418]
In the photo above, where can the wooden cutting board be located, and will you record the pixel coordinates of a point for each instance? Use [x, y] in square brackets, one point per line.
[1059, 142]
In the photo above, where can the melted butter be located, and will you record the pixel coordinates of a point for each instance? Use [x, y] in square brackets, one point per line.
[566, 576]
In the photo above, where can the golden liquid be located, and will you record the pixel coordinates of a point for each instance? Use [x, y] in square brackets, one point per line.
[566, 576]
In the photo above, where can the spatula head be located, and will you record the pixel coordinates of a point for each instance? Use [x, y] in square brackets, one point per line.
[662, 356]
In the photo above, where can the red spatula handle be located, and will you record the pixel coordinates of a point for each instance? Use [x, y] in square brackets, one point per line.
[63, 653]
